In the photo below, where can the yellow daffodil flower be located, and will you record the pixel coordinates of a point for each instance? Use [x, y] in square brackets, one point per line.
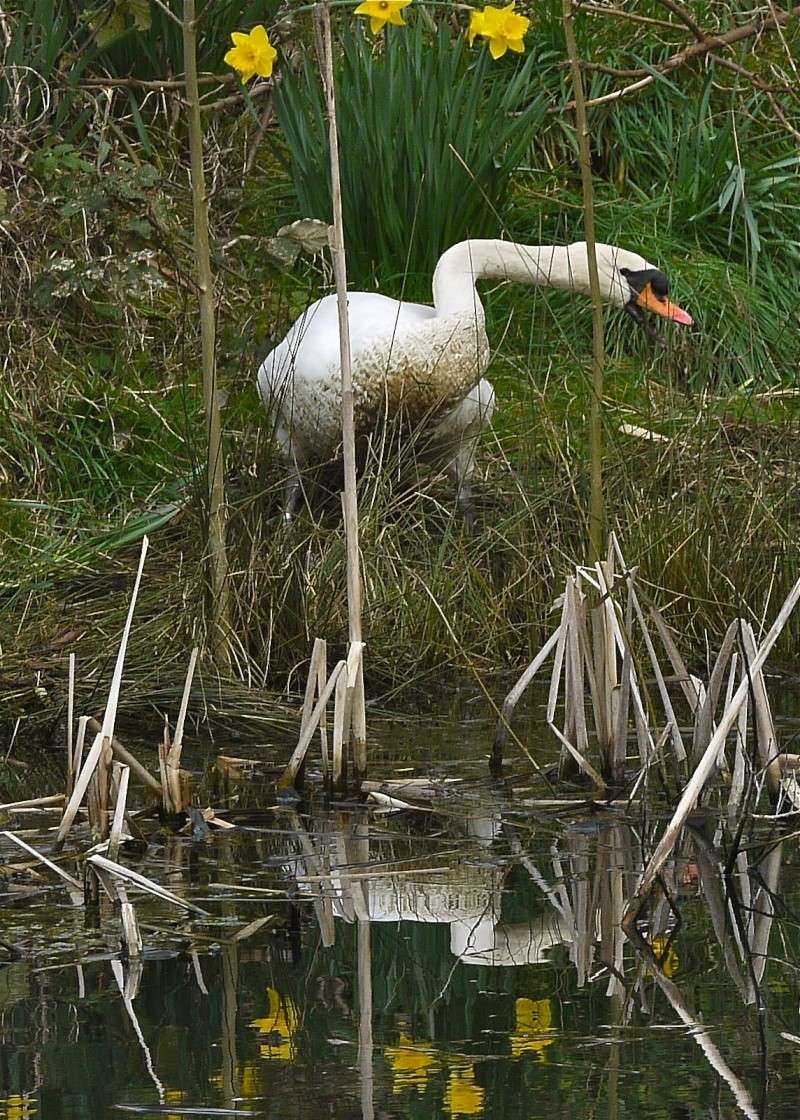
[252, 54]
[475, 25]
[503, 27]
[381, 12]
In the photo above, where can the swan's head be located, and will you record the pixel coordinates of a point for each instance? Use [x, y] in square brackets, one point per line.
[629, 281]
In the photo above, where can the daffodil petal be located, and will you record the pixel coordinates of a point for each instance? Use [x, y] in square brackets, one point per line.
[376, 24]
[259, 38]
[516, 45]
[395, 18]
[239, 38]
[498, 47]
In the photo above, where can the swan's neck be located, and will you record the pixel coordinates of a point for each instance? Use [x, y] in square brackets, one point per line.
[552, 266]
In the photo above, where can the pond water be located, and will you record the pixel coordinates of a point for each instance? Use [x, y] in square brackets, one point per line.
[463, 958]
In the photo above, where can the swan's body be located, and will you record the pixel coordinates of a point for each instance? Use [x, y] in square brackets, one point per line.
[421, 363]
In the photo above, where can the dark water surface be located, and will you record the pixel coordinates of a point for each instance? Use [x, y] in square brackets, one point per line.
[477, 970]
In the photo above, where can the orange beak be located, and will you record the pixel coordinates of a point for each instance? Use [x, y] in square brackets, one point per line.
[648, 299]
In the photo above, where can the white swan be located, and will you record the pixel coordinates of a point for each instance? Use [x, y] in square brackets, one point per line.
[426, 364]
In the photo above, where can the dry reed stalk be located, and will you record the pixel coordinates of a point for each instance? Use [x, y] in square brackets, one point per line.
[570, 656]
[738, 779]
[289, 777]
[387, 803]
[70, 718]
[129, 926]
[126, 873]
[675, 731]
[54, 799]
[122, 774]
[707, 763]
[512, 699]
[215, 463]
[103, 738]
[123, 755]
[349, 498]
[766, 737]
[337, 747]
[315, 683]
[704, 716]
[48, 863]
[177, 781]
[604, 664]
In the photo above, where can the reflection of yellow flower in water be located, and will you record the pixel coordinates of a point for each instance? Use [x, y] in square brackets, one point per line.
[174, 1096]
[670, 963]
[381, 12]
[17, 1107]
[411, 1062]
[277, 1029]
[250, 1081]
[534, 1023]
[252, 54]
[503, 27]
[463, 1097]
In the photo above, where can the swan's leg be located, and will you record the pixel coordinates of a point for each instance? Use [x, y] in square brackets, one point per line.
[293, 455]
[292, 493]
[458, 433]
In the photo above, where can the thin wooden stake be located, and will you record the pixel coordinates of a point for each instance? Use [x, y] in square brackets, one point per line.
[349, 498]
[215, 462]
[597, 512]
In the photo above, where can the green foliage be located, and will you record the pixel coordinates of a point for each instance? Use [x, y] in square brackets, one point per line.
[47, 51]
[430, 134]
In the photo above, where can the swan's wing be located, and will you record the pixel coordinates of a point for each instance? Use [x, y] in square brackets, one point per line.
[310, 350]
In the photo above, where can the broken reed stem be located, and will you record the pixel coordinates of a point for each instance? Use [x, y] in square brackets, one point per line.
[215, 466]
[706, 764]
[597, 513]
[289, 777]
[105, 735]
[123, 755]
[349, 498]
[70, 719]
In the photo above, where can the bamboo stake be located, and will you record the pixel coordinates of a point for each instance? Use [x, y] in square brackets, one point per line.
[597, 513]
[215, 465]
[349, 498]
